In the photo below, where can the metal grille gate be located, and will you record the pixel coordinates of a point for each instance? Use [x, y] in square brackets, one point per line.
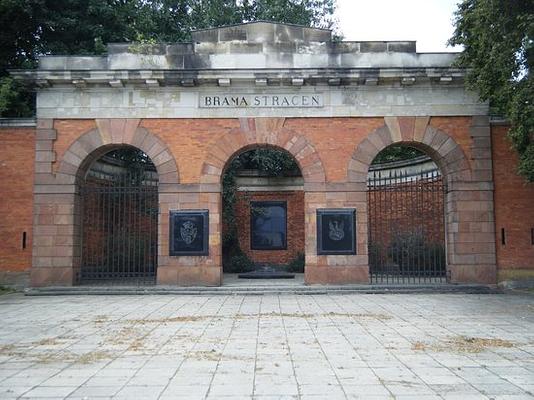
[406, 227]
[119, 227]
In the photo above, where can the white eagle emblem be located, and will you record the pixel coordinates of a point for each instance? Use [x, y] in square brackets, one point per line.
[188, 231]
[336, 230]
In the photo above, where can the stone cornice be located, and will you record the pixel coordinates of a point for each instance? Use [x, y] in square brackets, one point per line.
[154, 78]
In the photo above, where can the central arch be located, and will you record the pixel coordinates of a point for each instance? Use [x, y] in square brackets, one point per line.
[263, 214]
[254, 132]
[266, 132]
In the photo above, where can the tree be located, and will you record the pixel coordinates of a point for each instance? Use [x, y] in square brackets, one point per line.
[30, 28]
[397, 153]
[498, 40]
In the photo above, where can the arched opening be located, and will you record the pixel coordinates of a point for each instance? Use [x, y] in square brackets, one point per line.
[263, 216]
[406, 214]
[119, 218]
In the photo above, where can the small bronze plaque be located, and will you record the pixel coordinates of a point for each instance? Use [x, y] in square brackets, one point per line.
[336, 231]
[189, 233]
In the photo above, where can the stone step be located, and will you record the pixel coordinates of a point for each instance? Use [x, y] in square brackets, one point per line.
[259, 290]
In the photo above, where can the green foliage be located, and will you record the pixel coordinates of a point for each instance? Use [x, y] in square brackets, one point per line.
[30, 28]
[297, 264]
[133, 159]
[6, 290]
[271, 162]
[141, 249]
[397, 153]
[413, 253]
[238, 263]
[15, 98]
[498, 40]
[316, 13]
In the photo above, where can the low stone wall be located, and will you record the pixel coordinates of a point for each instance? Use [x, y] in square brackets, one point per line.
[17, 148]
[514, 215]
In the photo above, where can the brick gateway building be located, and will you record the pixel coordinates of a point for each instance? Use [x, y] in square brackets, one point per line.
[192, 107]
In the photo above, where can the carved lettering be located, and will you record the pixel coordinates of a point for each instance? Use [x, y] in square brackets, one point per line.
[260, 101]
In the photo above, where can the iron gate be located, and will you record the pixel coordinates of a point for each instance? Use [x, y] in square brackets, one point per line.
[406, 227]
[119, 227]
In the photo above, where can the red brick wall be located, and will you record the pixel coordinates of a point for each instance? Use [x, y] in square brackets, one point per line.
[17, 146]
[407, 209]
[514, 209]
[295, 225]
[333, 154]
[191, 139]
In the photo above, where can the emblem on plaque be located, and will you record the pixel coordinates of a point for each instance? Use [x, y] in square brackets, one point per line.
[336, 230]
[188, 231]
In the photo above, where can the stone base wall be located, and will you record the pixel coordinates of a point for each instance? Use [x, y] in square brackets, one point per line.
[514, 214]
[191, 154]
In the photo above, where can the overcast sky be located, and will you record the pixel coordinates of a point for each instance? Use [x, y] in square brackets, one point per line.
[429, 22]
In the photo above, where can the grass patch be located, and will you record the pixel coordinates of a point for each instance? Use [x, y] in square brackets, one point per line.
[194, 318]
[464, 344]
[5, 290]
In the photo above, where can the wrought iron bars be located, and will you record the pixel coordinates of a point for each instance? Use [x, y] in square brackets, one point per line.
[406, 227]
[119, 227]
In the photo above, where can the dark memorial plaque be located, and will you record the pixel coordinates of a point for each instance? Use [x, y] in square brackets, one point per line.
[268, 225]
[188, 233]
[336, 231]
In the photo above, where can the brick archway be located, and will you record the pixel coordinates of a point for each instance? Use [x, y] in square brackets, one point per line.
[263, 132]
[56, 233]
[469, 216]
[117, 132]
[416, 132]
[255, 132]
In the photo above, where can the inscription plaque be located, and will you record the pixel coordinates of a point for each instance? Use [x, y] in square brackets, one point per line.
[188, 233]
[261, 100]
[336, 231]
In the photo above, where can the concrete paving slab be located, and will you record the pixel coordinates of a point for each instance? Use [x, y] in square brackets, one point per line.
[273, 346]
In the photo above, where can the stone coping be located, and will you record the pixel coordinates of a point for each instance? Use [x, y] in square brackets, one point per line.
[258, 53]
[17, 122]
[260, 290]
[295, 78]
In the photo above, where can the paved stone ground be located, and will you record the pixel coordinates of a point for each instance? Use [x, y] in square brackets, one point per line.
[437, 346]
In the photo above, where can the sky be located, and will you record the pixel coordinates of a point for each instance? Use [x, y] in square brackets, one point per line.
[429, 22]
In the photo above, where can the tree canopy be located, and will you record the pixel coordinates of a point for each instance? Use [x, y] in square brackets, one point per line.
[30, 28]
[498, 41]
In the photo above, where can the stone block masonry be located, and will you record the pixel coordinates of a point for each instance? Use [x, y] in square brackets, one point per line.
[369, 95]
[17, 154]
[333, 154]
